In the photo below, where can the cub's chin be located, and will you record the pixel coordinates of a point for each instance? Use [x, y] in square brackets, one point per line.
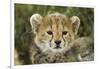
[60, 50]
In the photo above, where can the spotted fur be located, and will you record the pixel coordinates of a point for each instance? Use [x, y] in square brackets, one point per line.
[53, 35]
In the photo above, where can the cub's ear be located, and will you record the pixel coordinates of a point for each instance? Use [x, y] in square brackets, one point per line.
[35, 21]
[75, 23]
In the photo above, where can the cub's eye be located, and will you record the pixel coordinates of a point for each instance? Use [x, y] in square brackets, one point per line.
[49, 32]
[64, 32]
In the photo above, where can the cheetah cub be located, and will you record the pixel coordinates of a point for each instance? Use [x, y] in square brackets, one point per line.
[53, 35]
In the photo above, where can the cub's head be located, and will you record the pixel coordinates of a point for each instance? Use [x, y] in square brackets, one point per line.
[54, 32]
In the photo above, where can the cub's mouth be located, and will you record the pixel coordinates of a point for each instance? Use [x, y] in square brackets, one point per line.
[57, 47]
[57, 44]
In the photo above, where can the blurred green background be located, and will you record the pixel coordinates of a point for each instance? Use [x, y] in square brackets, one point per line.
[23, 32]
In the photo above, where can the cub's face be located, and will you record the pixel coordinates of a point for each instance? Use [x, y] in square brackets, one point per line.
[54, 32]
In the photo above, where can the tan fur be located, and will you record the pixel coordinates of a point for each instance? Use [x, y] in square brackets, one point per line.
[56, 23]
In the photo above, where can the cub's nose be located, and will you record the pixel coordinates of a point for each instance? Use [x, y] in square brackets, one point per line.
[58, 42]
